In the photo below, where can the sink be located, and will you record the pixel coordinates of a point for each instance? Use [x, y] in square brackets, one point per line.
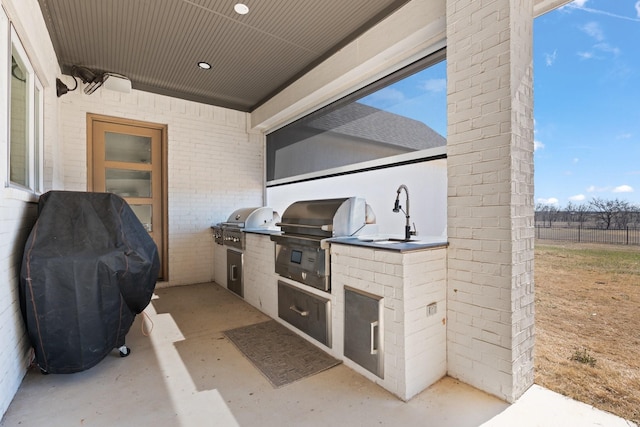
[385, 240]
[391, 241]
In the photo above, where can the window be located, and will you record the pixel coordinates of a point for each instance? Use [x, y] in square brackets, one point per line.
[25, 121]
[384, 124]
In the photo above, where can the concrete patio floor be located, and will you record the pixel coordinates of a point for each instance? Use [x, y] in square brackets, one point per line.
[186, 373]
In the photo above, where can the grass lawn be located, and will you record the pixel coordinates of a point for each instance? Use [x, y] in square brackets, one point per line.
[588, 324]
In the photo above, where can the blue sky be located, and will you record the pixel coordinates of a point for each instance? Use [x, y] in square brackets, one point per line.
[586, 59]
[587, 102]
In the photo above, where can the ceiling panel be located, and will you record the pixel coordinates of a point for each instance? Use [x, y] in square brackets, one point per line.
[157, 43]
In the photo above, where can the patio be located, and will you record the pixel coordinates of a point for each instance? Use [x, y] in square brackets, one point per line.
[187, 373]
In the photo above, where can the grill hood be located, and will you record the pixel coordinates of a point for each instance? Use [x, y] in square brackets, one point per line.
[251, 218]
[327, 218]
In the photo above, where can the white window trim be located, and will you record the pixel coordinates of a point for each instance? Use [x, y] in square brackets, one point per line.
[35, 175]
[38, 160]
[5, 52]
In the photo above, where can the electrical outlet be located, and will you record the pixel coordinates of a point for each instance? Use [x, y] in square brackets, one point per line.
[432, 309]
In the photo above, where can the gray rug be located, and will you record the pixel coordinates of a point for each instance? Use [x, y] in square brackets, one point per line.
[281, 355]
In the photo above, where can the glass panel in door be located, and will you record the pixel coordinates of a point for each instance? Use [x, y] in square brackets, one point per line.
[128, 183]
[145, 215]
[120, 147]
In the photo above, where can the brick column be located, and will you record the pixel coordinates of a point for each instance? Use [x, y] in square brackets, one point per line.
[490, 333]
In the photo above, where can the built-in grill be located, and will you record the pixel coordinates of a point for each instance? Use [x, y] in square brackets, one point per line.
[231, 233]
[302, 250]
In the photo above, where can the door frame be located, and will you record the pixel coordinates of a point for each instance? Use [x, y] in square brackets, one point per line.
[163, 128]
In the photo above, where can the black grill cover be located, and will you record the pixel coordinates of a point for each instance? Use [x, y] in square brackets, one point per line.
[88, 268]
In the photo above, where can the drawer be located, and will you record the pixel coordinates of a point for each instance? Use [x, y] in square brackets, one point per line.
[308, 312]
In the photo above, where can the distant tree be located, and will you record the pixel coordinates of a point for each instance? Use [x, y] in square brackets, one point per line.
[578, 213]
[564, 214]
[582, 213]
[635, 220]
[546, 214]
[624, 216]
[611, 213]
[541, 211]
[604, 211]
[569, 213]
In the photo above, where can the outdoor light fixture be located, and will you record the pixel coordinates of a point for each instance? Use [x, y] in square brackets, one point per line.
[62, 88]
[204, 65]
[94, 80]
[116, 82]
[241, 9]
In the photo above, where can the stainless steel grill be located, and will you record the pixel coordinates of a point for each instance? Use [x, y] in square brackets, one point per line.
[302, 249]
[231, 232]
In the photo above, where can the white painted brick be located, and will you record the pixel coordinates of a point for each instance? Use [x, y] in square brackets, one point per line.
[480, 69]
[214, 168]
[16, 220]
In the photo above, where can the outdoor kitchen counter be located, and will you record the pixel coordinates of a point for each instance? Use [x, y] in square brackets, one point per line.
[389, 245]
[429, 242]
[409, 280]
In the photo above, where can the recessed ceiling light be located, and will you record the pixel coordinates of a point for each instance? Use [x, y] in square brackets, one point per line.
[241, 9]
[204, 65]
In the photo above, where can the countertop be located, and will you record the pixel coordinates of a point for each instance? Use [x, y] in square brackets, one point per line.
[379, 242]
[376, 242]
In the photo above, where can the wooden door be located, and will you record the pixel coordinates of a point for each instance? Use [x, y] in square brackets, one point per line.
[128, 158]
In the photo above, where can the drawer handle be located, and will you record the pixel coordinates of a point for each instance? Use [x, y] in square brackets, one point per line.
[303, 313]
[374, 326]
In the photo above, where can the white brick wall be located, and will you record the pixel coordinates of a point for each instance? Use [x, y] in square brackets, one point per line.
[220, 264]
[260, 279]
[415, 344]
[215, 167]
[16, 219]
[17, 210]
[490, 180]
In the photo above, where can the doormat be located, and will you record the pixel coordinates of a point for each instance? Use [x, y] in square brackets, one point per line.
[282, 356]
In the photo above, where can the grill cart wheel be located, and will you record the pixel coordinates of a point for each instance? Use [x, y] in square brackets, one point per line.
[124, 351]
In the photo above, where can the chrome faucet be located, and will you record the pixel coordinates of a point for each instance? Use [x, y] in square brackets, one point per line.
[397, 208]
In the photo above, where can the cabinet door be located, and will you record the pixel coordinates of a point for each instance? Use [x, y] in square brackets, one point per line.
[363, 330]
[234, 272]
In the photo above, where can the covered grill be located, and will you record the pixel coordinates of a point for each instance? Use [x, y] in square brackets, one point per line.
[302, 249]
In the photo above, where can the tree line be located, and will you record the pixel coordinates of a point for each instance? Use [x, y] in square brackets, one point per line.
[613, 214]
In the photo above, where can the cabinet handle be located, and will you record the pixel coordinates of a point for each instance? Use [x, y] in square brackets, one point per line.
[374, 326]
[233, 272]
[303, 313]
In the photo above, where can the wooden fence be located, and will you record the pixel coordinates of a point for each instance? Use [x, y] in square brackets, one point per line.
[627, 236]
